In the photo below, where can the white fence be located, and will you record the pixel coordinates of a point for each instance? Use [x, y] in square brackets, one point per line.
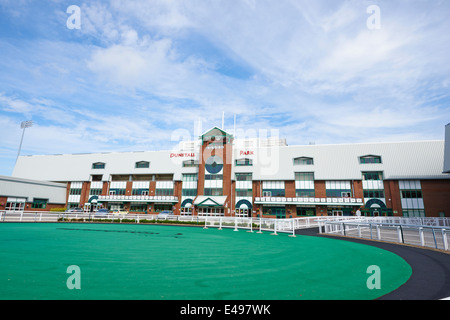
[425, 232]
[257, 224]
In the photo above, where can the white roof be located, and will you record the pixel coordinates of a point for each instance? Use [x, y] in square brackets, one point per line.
[78, 167]
[30, 189]
[400, 160]
[210, 200]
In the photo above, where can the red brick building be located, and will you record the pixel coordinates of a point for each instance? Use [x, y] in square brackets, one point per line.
[221, 175]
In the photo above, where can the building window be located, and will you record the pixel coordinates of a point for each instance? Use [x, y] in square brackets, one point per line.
[373, 194]
[213, 176]
[310, 193]
[411, 194]
[243, 177]
[71, 205]
[189, 192]
[142, 165]
[39, 204]
[164, 192]
[190, 163]
[190, 177]
[76, 191]
[14, 206]
[273, 189]
[303, 161]
[374, 175]
[338, 189]
[369, 159]
[162, 207]
[98, 165]
[95, 192]
[189, 185]
[304, 176]
[138, 207]
[118, 192]
[273, 193]
[243, 162]
[140, 192]
[339, 193]
[304, 184]
[213, 192]
[411, 198]
[244, 193]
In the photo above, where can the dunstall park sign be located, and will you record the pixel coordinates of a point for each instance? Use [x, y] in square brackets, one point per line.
[182, 155]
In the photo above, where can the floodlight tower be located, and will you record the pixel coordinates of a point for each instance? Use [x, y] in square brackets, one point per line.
[23, 125]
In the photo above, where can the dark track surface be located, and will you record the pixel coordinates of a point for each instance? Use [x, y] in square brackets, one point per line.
[430, 279]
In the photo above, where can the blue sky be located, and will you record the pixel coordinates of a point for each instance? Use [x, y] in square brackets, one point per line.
[139, 74]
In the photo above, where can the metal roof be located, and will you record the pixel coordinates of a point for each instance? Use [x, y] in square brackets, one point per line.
[399, 160]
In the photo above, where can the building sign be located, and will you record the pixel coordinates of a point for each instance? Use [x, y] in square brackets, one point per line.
[182, 155]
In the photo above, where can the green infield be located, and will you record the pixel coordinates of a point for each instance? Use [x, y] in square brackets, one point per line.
[128, 261]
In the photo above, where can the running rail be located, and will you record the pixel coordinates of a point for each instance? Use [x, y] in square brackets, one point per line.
[424, 235]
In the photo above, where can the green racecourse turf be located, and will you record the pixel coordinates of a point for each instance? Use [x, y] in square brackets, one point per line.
[125, 261]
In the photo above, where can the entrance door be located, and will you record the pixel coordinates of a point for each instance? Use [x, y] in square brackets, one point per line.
[337, 213]
[242, 212]
[280, 213]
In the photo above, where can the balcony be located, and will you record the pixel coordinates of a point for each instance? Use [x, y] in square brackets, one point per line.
[310, 201]
[154, 199]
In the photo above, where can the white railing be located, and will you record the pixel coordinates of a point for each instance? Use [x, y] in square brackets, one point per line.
[247, 223]
[425, 232]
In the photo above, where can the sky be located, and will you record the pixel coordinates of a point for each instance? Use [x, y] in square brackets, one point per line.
[130, 75]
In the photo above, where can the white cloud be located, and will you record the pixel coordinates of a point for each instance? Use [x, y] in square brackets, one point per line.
[139, 70]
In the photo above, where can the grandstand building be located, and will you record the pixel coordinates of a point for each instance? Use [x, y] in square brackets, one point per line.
[220, 175]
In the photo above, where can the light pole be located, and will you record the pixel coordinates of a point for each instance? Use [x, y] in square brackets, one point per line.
[23, 125]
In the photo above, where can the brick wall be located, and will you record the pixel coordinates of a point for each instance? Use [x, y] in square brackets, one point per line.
[436, 197]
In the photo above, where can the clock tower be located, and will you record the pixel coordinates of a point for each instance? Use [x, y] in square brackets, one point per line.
[214, 194]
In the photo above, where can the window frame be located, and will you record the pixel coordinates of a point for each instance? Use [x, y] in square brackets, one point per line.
[138, 165]
[98, 165]
[303, 161]
[363, 159]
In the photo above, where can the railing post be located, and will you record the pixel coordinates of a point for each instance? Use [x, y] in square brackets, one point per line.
[235, 225]
[444, 239]
[434, 237]
[359, 231]
[399, 234]
[293, 229]
[275, 228]
[378, 232]
[205, 227]
[422, 240]
[260, 226]
[251, 226]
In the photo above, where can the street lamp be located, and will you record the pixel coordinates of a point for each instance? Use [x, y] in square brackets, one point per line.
[23, 125]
